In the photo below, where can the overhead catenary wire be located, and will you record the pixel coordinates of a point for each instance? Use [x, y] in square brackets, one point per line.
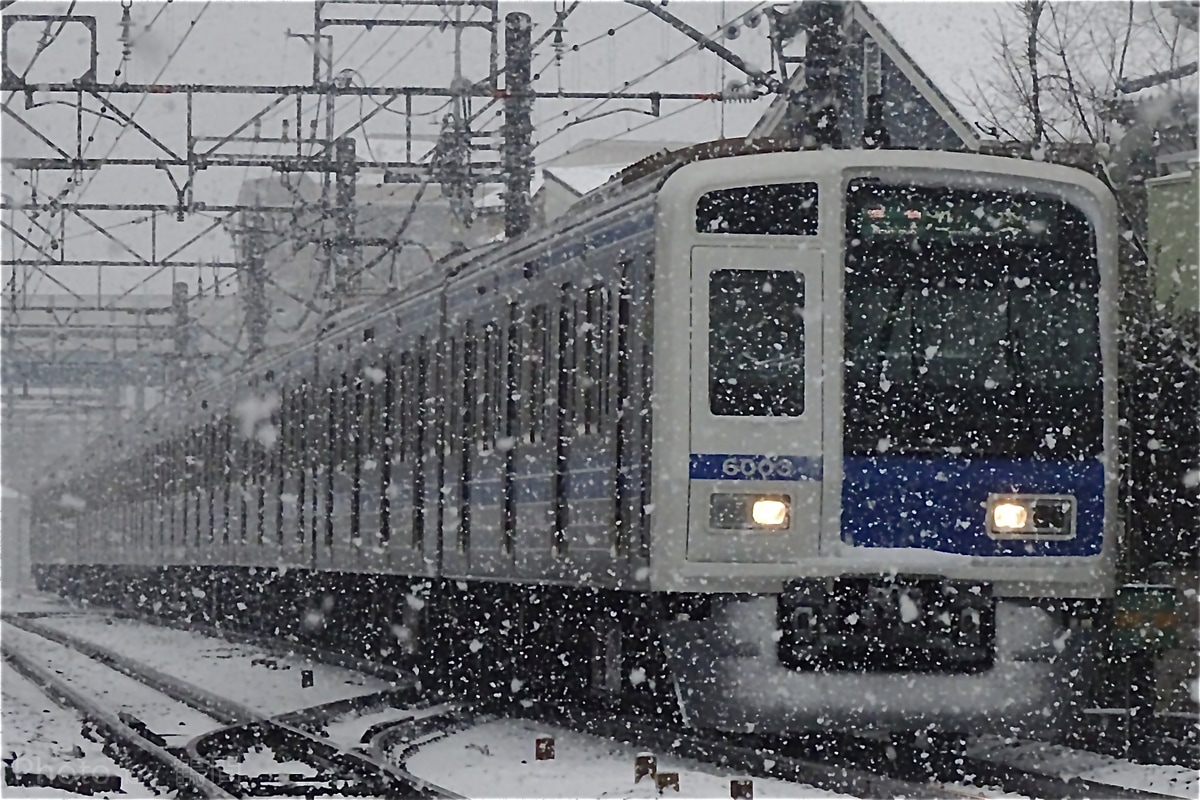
[120, 134]
[646, 124]
[615, 93]
[100, 115]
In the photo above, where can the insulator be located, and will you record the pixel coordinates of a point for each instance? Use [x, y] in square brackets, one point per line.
[126, 25]
[738, 92]
[753, 19]
[732, 32]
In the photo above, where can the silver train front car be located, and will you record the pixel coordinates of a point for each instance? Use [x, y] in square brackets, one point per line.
[885, 405]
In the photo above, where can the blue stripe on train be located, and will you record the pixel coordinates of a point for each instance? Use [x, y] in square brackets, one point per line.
[740, 467]
[938, 503]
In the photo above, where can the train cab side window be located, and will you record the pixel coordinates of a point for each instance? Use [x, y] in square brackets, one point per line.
[756, 343]
[779, 209]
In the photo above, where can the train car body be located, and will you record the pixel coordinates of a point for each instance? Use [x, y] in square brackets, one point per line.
[840, 427]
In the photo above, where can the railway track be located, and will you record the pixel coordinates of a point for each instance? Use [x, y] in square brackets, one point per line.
[851, 765]
[206, 765]
[154, 765]
[848, 765]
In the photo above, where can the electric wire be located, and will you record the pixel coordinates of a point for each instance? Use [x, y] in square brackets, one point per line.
[144, 95]
[633, 128]
[120, 134]
[100, 115]
[595, 105]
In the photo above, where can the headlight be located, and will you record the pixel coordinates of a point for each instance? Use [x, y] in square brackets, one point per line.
[1009, 516]
[769, 513]
[1031, 516]
[749, 512]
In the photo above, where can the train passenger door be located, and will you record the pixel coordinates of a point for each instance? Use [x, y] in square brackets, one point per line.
[755, 460]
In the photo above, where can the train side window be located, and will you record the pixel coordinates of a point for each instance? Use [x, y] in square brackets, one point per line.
[539, 366]
[468, 424]
[227, 474]
[349, 429]
[489, 396]
[403, 388]
[470, 401]
[367, 390]
[567, 329]
[585, 336]
[514, 350]
[281, 453]
[387, 446]
[756, 343]
[780, 209]
[422, 391]
[245, 479]
[453, 408]
[212, 476]
[339, 422]
[597, 352]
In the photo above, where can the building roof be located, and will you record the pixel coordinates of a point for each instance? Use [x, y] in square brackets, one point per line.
[869, 22]
[583, 179]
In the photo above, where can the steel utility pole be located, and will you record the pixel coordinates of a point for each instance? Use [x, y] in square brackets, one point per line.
[255, 279]
[518, 123]
[346, 277]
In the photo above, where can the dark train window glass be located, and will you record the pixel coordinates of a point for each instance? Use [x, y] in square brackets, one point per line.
[498, 381]
[368, 422]
[515, 347]
[468, 388]
[538, 365]
[403, 424]
[781, 209]
[756, 343]
[972, 322]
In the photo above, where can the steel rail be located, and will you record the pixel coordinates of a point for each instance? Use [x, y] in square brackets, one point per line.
[166, 767]
[243, 723]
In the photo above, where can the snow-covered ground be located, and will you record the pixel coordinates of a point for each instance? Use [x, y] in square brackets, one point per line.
[46, 738]
[12, 602]
[349, 731]
[223, 668]
[112, 690]
[264, 761]
[496, 759]
[1068, 763]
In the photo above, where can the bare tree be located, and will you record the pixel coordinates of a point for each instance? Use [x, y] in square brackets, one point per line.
[1059, 66]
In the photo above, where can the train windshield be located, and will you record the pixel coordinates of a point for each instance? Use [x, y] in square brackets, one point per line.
[971, 324]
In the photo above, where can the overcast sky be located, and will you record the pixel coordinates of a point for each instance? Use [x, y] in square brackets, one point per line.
[246, 43]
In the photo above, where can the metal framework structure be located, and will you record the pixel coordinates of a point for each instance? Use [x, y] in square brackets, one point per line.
[86, 356]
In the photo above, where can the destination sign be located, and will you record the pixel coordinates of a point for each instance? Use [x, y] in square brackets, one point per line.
[957, 218]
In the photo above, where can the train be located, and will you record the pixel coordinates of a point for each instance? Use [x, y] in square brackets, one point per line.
[763, 438]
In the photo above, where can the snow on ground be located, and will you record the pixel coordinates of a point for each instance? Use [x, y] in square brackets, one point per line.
[348, 731]
[223, 668]
[1068, 763]
[46, 738]
[264, 761]
[14, 602]
[496, 760]
[112, 690]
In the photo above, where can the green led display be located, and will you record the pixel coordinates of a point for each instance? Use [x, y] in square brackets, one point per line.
[904, 217]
